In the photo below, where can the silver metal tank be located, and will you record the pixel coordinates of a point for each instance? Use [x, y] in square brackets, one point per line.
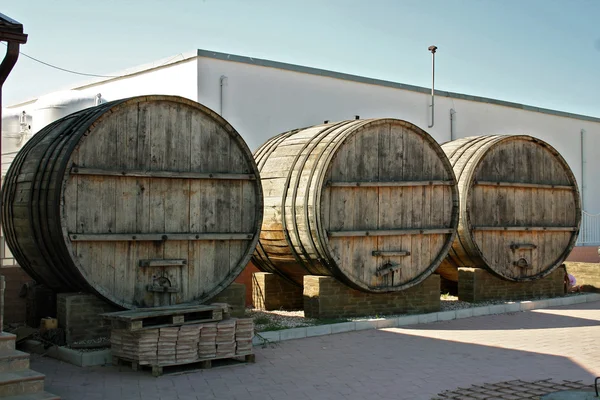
[53, 106]
[16, 131]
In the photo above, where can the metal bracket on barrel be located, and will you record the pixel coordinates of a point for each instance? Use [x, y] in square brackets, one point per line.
[523, 246]
[162, 289]
[522, 263]
[162, 284]
[389, 253]
[387, 268]
[163, 263]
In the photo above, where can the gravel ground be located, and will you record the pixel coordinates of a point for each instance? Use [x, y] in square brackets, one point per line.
[278, 319]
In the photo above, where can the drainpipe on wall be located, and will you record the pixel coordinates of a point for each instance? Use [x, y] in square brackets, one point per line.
[432, 49]
[222, 80]
[452, 112]
[583, 162]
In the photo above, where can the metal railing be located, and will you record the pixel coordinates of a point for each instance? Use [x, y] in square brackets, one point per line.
[589, 233]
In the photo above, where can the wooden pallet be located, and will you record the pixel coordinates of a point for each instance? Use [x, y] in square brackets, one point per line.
[159, 369]
[135, 320]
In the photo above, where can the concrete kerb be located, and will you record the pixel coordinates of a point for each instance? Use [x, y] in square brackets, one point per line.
[395, 322]
[79, 358]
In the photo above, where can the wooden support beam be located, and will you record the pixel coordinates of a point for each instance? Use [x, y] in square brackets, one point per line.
[526, 228]
[163, 263]
[524, 185]
[388, 184]
[384, 253]
[391, 232]
[161, 174]
[115, 237]
[523, 246]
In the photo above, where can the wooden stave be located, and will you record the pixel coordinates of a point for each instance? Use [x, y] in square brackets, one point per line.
[464, 246]
[55, 235]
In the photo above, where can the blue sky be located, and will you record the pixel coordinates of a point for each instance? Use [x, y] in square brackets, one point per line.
[544, 53]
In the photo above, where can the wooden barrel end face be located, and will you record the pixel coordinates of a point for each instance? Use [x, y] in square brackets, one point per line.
[522, 209]
[159, 203]
[388, 206]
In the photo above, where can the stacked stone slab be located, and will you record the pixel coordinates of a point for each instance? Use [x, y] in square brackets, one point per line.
[135, 345]
[187, 343]
[184, 344]
[225, 339]
[244, 331]
[207, 345]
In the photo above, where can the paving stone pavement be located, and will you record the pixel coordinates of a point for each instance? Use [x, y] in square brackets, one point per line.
[515, 390]
[412, 362]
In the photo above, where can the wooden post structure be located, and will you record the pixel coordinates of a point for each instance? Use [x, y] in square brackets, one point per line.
[11, 32]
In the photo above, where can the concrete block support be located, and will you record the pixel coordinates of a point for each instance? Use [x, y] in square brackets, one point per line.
[235, 296]
[326, 297]
[271, 292]
[476, 285]
[79, 315]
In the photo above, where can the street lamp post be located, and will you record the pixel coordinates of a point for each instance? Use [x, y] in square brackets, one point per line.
[432, 49]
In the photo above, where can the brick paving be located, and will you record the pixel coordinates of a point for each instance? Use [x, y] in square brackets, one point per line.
[514, 390]
[415, 362]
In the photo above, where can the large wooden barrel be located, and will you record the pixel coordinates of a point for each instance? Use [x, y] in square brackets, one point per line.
[372, 202]
[147, 201]
[520, 208]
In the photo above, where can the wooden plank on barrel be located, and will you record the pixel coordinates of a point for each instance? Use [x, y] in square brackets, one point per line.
[342, 205]
[366, 211]
[142, 203]
[69, 204]
[158, 191]
[221, 160]
[429, 160]
[439, 216]
[127, 190]
[413, 166]
[203, 205]
[405, 203]
[237, 206]
[177, 203]
[516, 211]
[535, 154]
[177, 220]
[390, 169]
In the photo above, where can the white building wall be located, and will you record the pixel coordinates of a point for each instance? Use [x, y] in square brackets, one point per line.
[179, 79]
[261, 102]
